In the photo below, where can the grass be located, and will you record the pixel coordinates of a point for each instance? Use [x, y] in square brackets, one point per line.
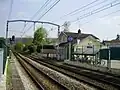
[9, 76]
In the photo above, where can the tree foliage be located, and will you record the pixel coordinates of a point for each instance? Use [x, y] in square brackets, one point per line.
[31, 48]
[38, 49]
[18, 46]
[40, 36]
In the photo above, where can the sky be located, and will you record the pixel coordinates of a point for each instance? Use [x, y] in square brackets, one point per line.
[105, 24]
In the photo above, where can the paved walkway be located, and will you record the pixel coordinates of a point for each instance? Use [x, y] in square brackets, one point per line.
[16, 80]
[3, 82]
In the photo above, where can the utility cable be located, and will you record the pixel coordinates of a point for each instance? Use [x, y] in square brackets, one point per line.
[49, 9]
[10, 11]
[39, 10]
[89, 7]
[107, 6]
[75, 11]
[102, 16]
[79, 8]
[44, 14]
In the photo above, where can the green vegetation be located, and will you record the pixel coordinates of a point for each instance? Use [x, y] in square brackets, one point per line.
[31, 46]
[9, 76]
[18, 46]
[40, 36]
[38, 49]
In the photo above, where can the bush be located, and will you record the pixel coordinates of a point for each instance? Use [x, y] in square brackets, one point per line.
[25, 48]
[31, 48]
[18, 46]
[38, 49]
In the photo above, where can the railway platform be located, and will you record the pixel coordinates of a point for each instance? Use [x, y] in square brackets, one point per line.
[13, 80]
[16, 76]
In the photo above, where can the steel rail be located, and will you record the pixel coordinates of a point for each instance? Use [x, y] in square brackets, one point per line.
[108, 81]
[28, 62]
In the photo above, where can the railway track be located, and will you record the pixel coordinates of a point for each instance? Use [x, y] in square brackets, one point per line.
[37, 74]
[96, 79]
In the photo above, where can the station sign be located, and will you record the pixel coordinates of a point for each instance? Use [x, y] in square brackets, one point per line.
[70, 39]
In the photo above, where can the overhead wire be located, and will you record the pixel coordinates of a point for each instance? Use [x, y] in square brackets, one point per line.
[54, 4]
[89, 7]
[79, 8]
[107, 6]
[101, 17]
[10, 11]
[15, 31]
[38, 11]
[49, 9]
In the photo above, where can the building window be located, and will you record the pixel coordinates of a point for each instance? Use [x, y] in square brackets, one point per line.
[78, 41]
[90, 45]
[78, 49]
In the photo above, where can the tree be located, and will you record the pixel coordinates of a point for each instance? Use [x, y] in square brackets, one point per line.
[19, 46]
[38, 49]
[40, 36]
[25, 48]
[31, 48]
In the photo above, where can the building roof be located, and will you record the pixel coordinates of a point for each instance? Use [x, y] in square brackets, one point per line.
[112, 41]
[79, 36]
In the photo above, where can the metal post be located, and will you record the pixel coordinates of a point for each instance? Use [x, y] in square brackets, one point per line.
[82, 52]
[58, 31]
[6, 48]
[6, 32]
[109, 61]
[34, 27]
[93, 55]
[6, 38]
[69, 50]
[58, 48]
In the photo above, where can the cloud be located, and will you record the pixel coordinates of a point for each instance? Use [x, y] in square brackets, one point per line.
[114, 20]
[31, 1]
[3, 9]
[21, 14]
[3, 0]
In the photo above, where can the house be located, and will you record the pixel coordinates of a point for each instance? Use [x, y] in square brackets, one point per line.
[112, 43]
[81, 42]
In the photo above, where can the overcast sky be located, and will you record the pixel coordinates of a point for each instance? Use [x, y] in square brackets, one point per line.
[104, 27]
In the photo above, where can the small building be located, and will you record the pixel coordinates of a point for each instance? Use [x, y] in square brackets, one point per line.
[81, 43]
[112, 43]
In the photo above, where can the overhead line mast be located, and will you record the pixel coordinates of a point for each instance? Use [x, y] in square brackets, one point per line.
[38, 11]
[44, 14]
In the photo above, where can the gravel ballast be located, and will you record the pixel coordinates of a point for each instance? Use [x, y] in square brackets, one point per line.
[68, 82]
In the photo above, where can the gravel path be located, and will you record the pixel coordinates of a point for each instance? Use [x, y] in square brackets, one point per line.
[3, 82]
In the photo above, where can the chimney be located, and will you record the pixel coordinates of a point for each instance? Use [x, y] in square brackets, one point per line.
[118, 37]
[79, 31]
